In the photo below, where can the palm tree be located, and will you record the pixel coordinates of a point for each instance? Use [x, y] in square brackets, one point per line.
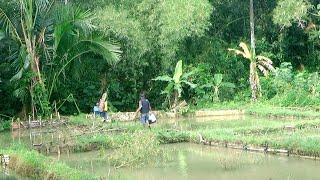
[263, 63]
[28, 33]
[50, 37]
[175, 83]
[75, 36]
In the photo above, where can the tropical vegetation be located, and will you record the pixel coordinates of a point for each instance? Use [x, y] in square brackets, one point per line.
[62, 55]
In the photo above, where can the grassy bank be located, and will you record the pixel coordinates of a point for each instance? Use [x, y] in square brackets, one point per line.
[265, 109]
[299, 136]
[29, 163]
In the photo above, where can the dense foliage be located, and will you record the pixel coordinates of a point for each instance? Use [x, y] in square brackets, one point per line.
[64, 54]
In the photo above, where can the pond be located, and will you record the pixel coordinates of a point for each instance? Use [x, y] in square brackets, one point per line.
[191, 161]
[183, 161]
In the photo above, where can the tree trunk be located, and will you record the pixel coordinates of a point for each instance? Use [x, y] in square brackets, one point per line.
[175, 104]
[30, 42]
[216, 94]
[254, 78]
[253, 44]
[253, 81]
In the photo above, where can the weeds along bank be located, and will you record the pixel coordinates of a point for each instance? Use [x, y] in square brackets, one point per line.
[29, 163]
[120, 143]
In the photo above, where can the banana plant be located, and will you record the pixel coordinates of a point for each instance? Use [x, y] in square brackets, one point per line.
[263, 63]
[216, 84]
[176, 83]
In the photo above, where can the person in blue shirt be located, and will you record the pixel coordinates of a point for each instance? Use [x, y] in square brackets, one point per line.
[144, 108]
[96, 110]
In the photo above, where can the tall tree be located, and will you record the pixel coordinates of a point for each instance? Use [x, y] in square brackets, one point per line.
[254, 78]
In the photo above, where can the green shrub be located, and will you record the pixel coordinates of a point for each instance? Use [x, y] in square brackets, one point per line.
[5, 125]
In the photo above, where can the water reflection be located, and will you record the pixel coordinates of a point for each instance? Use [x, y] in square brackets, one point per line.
[183, 166]
[189, 161]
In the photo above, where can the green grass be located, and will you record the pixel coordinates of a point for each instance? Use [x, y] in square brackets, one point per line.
[29, 163]
[81, 120]
[254, 131]
[264, 108]
[282, 111]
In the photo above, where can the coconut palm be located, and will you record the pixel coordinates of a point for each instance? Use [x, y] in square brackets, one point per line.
[50, 36]
[263, 63]
[75, 36]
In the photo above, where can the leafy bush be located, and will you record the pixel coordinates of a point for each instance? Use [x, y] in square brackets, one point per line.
[285, 88]
[5, 125]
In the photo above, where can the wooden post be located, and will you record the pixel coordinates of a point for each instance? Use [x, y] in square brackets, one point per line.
[11, 124]
[29, 121]
[41, 137]
[30, 137]
[19, 135]
[59, 151]
[47, 149]
[55, 108]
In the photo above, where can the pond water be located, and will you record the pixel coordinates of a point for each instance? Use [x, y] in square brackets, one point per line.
[184, 161]
[191, 161]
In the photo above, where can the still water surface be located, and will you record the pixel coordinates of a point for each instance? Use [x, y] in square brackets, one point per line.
[196, 162]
